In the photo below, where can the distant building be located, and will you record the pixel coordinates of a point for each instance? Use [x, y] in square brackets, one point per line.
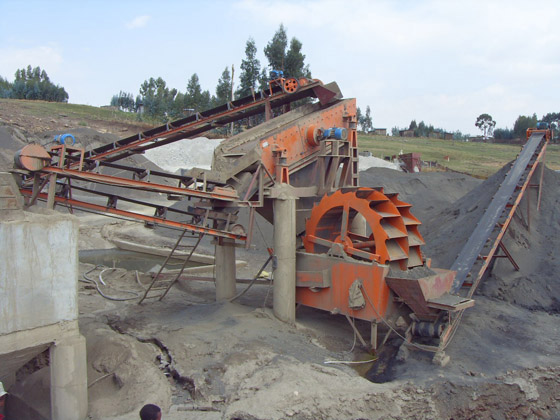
[478, 139]
[380, 131]
[448, 136]
[406, 133]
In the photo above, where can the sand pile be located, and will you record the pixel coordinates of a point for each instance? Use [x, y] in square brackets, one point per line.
[536, 249]
[184, 154]
[428, 192]
[448, 229]
[198, 152]
[11, 140]
[367, 162]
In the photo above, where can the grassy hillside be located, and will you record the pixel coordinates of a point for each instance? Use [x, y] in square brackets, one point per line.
[478, 159]
[84, 112]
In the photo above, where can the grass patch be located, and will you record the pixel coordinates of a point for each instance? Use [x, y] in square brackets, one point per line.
[477, 159]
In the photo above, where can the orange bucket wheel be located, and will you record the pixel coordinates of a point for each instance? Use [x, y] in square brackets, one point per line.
[365, 224]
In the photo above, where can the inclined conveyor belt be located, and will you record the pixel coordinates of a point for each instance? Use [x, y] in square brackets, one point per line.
[472, 249]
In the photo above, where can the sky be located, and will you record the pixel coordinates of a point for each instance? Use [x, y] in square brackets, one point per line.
[443, 62]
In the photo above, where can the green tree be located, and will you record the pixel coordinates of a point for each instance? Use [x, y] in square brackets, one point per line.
[413, 125]
[124, 101]
[263, 79]
[34, 84]
[503, 133]
[295, 61]
[522, 123]
[5, 88]
[486, 124]
[193, 94]
[275, 50]
[195, 98]
[291, 61]
[553, 118]
[223, 89]
[359, 117]
[367, 124]
[421, 129]
[250, 69]
[158, 99]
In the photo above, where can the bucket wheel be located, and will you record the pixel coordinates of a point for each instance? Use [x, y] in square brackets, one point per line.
[365, 224]
[290, 85]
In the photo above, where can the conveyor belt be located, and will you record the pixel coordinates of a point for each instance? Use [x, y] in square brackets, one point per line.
[472, 249]
[204, 121]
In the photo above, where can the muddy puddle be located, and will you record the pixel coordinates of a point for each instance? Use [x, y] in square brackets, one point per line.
[131, 260]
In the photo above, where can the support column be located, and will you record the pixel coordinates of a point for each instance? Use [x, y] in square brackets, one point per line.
[69, 399]
[285, 251]
[225, 269]
[52, 191]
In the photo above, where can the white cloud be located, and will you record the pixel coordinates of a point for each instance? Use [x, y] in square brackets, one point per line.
[47, 57]
[138, 22]
[440, 61]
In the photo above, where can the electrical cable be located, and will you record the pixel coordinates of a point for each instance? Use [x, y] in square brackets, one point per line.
[348, 362]
[100, 378]
[94, 282]
[262, 235]
[271, 280]
[268, 291]
[252, 281]
[355, 336]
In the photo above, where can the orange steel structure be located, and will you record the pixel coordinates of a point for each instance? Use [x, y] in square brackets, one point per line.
[358, 249]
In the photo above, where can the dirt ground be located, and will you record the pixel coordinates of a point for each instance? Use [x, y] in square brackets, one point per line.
[199, 359]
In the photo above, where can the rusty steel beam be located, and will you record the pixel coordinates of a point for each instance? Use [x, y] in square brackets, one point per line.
[137, 216]
[223, 195]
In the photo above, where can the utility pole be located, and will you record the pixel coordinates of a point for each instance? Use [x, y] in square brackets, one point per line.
[232, 70]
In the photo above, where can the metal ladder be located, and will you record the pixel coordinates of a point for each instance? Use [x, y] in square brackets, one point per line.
[161, 286]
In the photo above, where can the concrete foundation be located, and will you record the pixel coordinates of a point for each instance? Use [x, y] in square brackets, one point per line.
[39, 304]
[285, 252]
[225, 269]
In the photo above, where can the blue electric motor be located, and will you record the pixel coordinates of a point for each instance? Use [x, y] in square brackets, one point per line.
[276, 74]
[66, 139]
[338, 133]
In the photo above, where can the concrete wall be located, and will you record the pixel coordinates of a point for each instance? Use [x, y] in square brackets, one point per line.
[38, 270]
[39, 305]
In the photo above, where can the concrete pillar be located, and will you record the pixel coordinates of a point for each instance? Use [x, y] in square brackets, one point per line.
[285, 251]
[225, 269]
[69, 399]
